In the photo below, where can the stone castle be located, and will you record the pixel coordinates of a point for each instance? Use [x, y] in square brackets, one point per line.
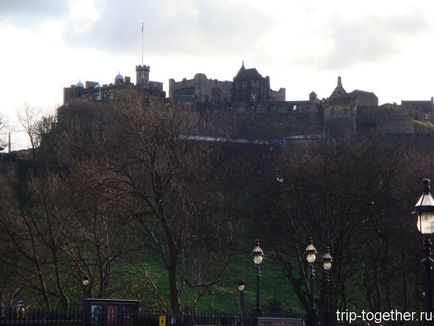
[256, 112]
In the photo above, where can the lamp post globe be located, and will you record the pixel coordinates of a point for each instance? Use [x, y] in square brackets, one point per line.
[424, 209]
[258, 255]
[85, 280]
[327, 262]
[311, 252]
[241, 285]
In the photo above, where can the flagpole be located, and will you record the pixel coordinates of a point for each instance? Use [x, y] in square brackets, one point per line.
[142, 41]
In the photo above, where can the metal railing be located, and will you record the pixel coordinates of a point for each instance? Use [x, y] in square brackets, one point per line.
[74, 317]
[147, 318]
[21, 316]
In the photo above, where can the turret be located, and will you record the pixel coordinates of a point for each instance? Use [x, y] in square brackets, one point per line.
[142, 75]
[313, 97]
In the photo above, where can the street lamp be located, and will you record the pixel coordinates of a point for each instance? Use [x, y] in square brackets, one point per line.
[424, 209]
[85, 281]
[258, 255]
[311, 253]
[327, 261]
[241, 287]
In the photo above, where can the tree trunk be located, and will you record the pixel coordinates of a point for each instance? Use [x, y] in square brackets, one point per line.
[174, 293]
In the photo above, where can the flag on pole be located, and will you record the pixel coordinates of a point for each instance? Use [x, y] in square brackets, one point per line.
[143, 27]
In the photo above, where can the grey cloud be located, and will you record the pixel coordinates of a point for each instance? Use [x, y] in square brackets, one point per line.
[370, 40]
[25, 11]
[205, 26]
[408, 23]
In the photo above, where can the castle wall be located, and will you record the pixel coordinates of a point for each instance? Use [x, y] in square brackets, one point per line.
[340, 119]
[366, 120]
[420, 110]
[394, 120]
[263, 120]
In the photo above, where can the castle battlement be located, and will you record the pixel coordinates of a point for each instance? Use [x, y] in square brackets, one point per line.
[143, 67]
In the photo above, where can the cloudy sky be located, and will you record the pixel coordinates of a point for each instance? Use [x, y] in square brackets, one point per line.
[384, 46]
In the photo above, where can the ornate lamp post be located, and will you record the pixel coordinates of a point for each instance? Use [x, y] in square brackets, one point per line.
[424, 209]
[85, 281]
[241, 287]
[327, 261]
[258, 255]
[311, 253]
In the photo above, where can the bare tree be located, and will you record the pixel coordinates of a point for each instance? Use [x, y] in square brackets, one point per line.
[35, 126]
[34, 226]
[99, 234]
[150, 165]
[60, 228]
[28, 118]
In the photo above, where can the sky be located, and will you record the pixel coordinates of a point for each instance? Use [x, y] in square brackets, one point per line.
[383, 46]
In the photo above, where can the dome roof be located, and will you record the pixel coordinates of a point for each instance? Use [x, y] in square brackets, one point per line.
[79, 84]
[119, 77]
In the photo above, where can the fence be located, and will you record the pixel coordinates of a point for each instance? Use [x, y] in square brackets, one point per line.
[74, 317]
[20, 316]
[194, 319]
[152, 319]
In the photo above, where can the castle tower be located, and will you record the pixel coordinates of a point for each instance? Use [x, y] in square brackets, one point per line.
[340, 113]
[249, 86]
[142, 75]
[313, 97]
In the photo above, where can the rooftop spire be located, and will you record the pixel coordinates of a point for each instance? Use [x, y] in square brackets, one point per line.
[339, 90]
